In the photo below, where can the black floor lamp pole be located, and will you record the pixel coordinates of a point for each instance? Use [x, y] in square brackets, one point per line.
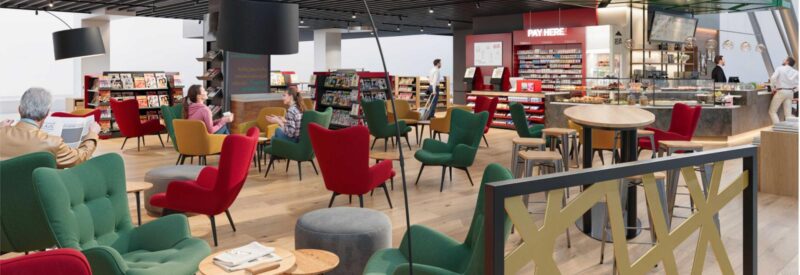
[397, 126]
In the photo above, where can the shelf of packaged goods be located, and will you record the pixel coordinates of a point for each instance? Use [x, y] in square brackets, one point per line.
[531, 119]
[135, 89]
[553, 73]
[502, 125]
[534, 112]
[490, 93]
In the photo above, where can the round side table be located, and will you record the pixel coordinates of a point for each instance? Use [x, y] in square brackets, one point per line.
[136, 187]
[288, 261]
[313, 261]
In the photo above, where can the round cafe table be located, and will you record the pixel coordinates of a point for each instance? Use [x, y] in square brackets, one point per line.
[625, 120]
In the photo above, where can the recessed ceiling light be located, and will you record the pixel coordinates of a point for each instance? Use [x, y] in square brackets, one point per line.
[353, 16]
[398, 28]
[449, 23]
[301, 21]
[430, 10]
[50, 4]
[421, 29]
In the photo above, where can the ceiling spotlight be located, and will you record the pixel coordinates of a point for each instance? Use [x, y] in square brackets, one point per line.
[301, 21]
[421, 29]
[398, 28]
[372, 33]
[449, 23]
[430, 10]
[353, 16]
[50, 4]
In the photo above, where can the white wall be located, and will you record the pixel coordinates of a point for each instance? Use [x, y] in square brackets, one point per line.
[155, 44]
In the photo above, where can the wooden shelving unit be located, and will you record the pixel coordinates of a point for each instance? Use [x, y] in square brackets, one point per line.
[407, 88]
[534, 106]
[444, 93]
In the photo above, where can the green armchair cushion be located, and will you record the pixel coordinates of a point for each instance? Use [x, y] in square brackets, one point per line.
[87, 209]
[521, 122]
[437, 253]
[466, 130]
[170, 113]
[300, 151]
[378, 122]
[24, 227]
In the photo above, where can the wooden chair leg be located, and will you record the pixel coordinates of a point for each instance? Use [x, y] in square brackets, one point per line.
[373, 143]
[408, 142]
[138, 142]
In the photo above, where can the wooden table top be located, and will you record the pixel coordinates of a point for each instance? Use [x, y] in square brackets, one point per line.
[137, 186]
[424, 122]
[528, 141]
[287, 262]
[680, 144]
[313, 261]
[558, 131]
[644, 133]
[379, 155]
[609, 117]
[263, 139]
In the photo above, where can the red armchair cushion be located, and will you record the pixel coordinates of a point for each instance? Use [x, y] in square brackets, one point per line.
[54, 262]
[126, 114]
[483, 103]
[95, 113]
[215, 189]
[681, 127]
[343, 158]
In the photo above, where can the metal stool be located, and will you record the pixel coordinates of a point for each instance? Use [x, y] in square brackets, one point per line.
[564, 134]
[680, 146]
[637, 181]
[545, 159]
[652, 136]
[523, 143]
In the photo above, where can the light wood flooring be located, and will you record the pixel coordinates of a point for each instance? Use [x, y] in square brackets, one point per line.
[266, 210]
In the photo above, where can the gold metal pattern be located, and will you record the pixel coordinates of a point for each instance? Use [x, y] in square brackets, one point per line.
[539, 241]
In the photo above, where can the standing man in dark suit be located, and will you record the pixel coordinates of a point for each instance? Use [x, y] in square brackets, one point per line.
[718, 75]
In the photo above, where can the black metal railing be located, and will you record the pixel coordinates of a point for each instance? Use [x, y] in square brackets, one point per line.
[497, 192]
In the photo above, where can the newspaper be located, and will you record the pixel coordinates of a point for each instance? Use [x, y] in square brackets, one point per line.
[246, 256]
[71, 129]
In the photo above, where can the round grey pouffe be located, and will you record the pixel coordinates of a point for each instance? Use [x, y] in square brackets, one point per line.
[161, 177]
[353, 234]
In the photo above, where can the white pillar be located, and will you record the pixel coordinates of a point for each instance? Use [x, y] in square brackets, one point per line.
[327, 50]
[98, 64]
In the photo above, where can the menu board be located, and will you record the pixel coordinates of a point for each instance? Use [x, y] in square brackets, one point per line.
[488, 54]
[671, 28]
[247, 73]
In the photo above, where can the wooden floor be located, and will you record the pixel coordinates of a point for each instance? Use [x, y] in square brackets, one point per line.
[267, 209]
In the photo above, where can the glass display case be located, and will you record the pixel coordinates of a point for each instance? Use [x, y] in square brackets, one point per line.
[648, 92]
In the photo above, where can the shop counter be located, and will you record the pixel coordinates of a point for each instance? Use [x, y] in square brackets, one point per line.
[245, 107]
[716, 121]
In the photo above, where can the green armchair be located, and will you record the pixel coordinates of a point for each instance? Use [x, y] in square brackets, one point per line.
[170, 113]
[521, 122]
[436, 253]
[300, 151]
[379, 126]
[24, 227]
[462, 144]
[87, 209]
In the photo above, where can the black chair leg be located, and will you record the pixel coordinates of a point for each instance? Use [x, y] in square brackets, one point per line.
[143, 144]
[161, 140]
[408, 142]
[386, 191]
[468, 176]
[213, 229]
[441, 185]
[385, 144]
[179, 160]
[451, 173]
[392, 181]
[315, 167]
[420, 174]
[373, 143]
[299, 170]
[138, 144]
[271, 161]
[287, 165]
[123, 143]
[332, 197]
[485, 141]
[361, 200]
[600, 153]
[230, 220]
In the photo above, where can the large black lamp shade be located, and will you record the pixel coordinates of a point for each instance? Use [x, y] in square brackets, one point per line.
[78, 43]
[256, 27]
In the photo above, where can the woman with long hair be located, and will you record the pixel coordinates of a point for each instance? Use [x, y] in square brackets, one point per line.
[195, 107]
[289, 125]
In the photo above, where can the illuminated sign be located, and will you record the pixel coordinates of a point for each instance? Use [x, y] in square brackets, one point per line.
[547, 32]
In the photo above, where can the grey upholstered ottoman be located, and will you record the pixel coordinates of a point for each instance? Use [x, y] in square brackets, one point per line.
[161, 177]
[353, 234]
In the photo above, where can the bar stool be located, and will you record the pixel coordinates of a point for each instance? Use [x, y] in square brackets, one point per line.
[662, 197]
[681, 146]
[647, 134]
[523, 143]
[544, 159]
[564, 134]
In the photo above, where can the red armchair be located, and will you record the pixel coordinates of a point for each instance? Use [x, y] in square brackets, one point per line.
[681, 127]
[126, 114]
[215, 188]
[343, 157]
[483, 103]
[80, 113]
[65, 261]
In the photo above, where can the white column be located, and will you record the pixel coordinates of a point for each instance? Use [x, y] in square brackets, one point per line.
[98, 64]
[327, 49]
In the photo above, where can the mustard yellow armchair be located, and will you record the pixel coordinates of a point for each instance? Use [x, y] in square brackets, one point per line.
[308, 104]
[602, 140]
[404, 113]
[267, 128]
[194, 140]
[441, 125]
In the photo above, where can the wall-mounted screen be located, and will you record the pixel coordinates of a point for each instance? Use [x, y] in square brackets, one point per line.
[488, 54]
[665, 27]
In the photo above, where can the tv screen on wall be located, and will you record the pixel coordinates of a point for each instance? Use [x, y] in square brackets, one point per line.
[665, 27]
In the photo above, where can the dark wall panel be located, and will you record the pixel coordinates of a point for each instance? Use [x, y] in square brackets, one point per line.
[497, 24]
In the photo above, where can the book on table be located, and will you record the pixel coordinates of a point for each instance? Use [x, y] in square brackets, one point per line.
[246, 256]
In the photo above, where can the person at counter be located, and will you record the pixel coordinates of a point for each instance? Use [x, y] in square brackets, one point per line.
[718, 75]
[784, 85]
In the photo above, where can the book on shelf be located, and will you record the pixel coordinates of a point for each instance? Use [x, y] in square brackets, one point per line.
[142, 101]
[213, 91]
[163, 100]
[138, 82]
[176, 80]
[161, 80]
[373, 84]
[152, 115]
[277, 79]
[127, 81]
[150, 81]
[116, 81]
[354, 110]
[104, 82]
[210, 55]
[152, 101]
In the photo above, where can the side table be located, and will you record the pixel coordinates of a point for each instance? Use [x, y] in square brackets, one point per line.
[136, 187]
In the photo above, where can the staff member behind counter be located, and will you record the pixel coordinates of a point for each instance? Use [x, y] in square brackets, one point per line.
[718, 75]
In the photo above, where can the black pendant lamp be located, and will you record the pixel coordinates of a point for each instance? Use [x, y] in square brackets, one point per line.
[257, 27]
[80, 42]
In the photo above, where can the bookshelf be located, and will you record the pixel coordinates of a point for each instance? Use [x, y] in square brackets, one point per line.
[151, 89]
[213, 80]
[407, 88]
[444, 93]
[559, 66]
[533, 102]
[345, 90]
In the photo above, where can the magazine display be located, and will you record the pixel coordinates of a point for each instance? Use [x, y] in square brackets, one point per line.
[138, 82]
[71, 129]
[116, 81]
[150, 81]
[127, 81]
[161, 80]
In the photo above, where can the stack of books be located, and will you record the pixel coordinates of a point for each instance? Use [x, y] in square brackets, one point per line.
[246, 256]
[789, 125]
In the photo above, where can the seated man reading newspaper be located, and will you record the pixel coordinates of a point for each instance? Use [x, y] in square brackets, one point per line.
[70, 140]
